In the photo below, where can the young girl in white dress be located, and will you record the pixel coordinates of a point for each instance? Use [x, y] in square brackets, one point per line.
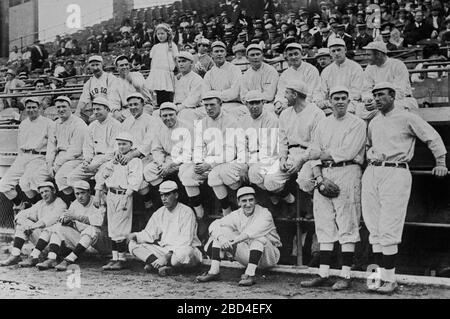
[161, 79]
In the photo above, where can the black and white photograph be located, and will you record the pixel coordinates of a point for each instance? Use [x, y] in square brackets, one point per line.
[228, 156]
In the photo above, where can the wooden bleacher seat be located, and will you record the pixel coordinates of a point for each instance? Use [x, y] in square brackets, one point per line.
[432, 92]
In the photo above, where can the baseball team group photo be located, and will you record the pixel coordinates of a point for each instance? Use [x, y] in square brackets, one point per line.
[237, 149]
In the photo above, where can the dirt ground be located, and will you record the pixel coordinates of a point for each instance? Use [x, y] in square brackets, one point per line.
[134, 283]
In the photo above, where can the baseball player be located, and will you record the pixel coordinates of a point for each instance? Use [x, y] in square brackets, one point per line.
[100, 84]
[337, 153]
[170, 238]
[342, 72]
[120, 181]
[261, 143]
[213, 159]
[80, 228]
[126, 83]
[188, 89]
[385, 69]
[65, 147]
[249, 233]
[298, 70]
[260, 76]
[98, 146]
[29, 169]
[297, 125]
[386, 183]
[34, 224]
[225, 78]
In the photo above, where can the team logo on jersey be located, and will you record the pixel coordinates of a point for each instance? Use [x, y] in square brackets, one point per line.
[98, 91]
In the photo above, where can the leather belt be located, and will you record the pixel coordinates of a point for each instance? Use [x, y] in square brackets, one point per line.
[117, 191]
[297, 146]
[390, 164]
[34, 152]
[329, 164]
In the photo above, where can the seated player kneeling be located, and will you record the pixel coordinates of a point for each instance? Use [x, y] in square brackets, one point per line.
[249, 234]
[170, 238]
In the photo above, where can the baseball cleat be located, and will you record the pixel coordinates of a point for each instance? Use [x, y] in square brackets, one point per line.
[165, 271]
[63, 265]
[47, 264]
[387, 288]
[12, 260]
[316, 282]
[247, 281]
[342, 284]
[29, 262]
[118, 265]
[149, 268]
[206, 277]
[109, 264]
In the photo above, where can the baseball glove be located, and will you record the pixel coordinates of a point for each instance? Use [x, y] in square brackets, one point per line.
[328, 189]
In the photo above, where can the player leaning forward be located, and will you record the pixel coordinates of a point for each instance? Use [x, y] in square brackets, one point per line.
[337, 153]
[386, 183]
[249, 233]
[170, 238]
[120, 182]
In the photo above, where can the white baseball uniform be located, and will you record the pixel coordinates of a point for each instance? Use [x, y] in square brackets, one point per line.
[188, 91]
[122, 88]
[170, 231]
[386, 190]
[65, 148]
[338, 219]
[295, 134]
[260, 229]
[29, 170]
[96, 87]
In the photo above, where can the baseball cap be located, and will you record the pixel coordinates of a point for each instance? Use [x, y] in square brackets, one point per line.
[32, 99]
[323, 52]
[168, 106]
[298, 86]
[336, 42]
[46, 184]
[245, 191]
[254, 95]
[101, 101]
[186, 55]
[64, 99]
[382, 86]
[338, 89]
[95, 58]
[204, 41]
[124, 136]
[218, 44]
[254, 47]
[135, 95]
[377, 45]
[212, 95]
[121, 57]
[294, 46]
[82, 185]
[167, 187]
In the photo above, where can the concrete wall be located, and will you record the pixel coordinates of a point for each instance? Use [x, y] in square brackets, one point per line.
[4, 30]
[23, 24]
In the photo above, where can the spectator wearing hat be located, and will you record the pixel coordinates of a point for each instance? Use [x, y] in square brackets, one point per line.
[69, 70]
[240, 60]
[430, 51]
[341, 34]
[203, 61]
[161, 78]
[298, 70]
[188, 89]
[38, 55]
[386, 15]
[418, 30]
[260, 76]
[253, 244]
[342, 72]
[33, 225]
[12, 83]
[381, 68]
[225, 78]
[444, 36]
[102, 43]
[386, 37]
[135, 59]
[322, 37]
[363, 38]
[316, 24]
[350, 10]
[169, 241]
[119, 181]
[305, 38]
[98, 147]
[81, 228]
[348, 27]
[323, 59]
[93, 46]
[29, 168]
[62, 51]
[126, 83]
[403, 17]
[436, 19]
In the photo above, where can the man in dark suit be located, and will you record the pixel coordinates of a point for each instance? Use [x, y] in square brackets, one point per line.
[436, 19]
[418, 30]
[38, 56]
